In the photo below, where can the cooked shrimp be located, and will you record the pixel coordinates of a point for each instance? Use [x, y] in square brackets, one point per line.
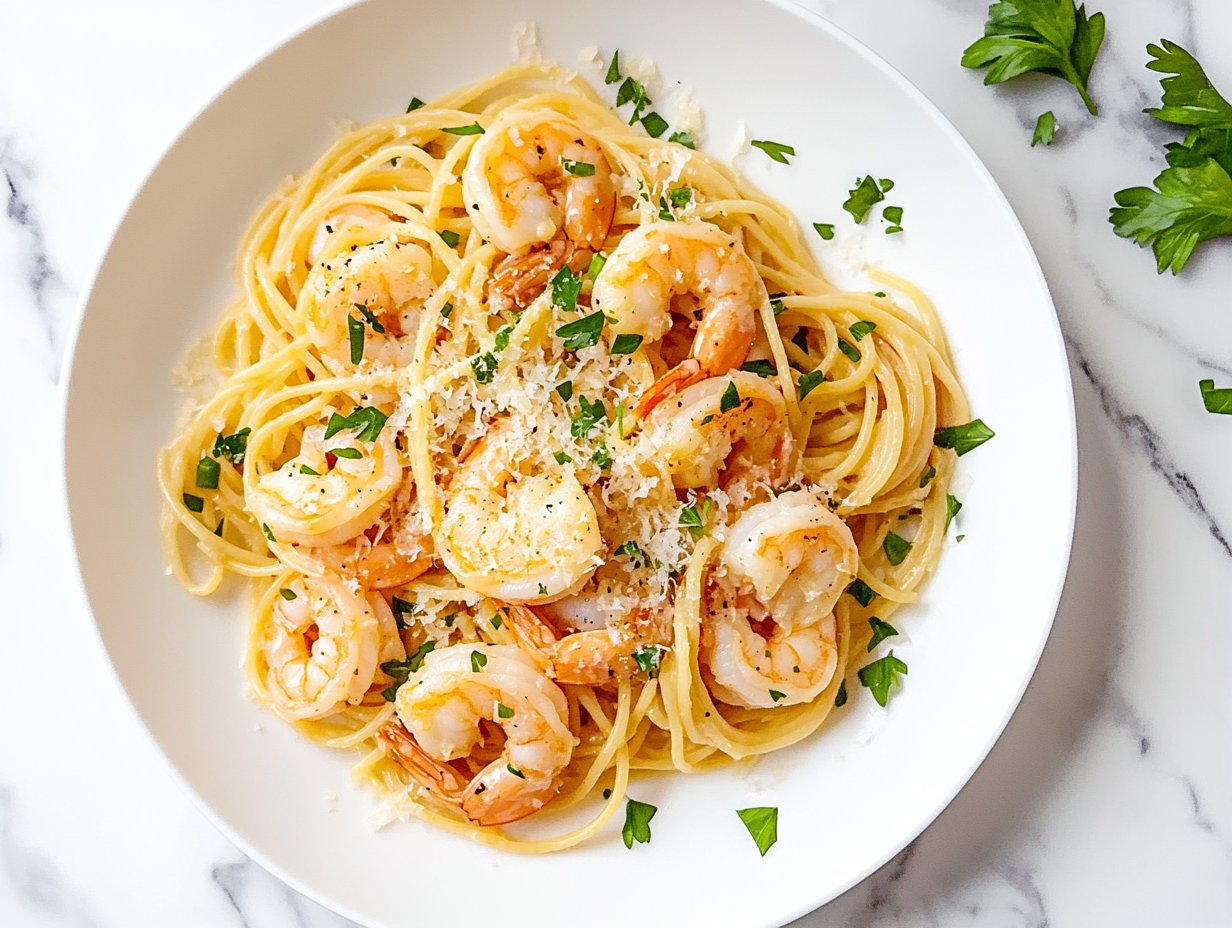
[586, 658]
[307, 502]
[513, 537]
[322, 646]
[519, 279]
[442, 706]
[382, 287]
[519, 188]
[747, 446]
[658, 265]
[349, 217]
[787, 562]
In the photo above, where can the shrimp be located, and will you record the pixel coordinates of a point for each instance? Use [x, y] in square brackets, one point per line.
[586, 658]
[533, 174]
[519, 539]
[519, 279]
[656, 265]
[377, 290]
[348, 217]
[322, 646]
[307, 502]
[440, 709]
[787, 563]
[747, 446]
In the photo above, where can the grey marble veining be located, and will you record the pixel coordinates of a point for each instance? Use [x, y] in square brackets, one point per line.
[1106, 801]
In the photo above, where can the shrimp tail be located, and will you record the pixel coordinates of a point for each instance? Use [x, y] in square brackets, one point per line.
[438, 779]
[684, 374]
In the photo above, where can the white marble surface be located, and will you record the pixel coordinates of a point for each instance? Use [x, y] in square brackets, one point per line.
[1107, 800]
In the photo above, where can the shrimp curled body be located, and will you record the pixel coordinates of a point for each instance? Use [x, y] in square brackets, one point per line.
[534, 174]
[441, 708]
[770, 636]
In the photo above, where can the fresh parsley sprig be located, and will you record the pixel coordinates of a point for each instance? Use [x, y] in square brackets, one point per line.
[1049, 36]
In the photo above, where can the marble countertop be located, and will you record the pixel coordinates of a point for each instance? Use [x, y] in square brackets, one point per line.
[1107, 799]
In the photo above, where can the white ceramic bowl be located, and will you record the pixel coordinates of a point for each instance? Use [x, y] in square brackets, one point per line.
[850, 797]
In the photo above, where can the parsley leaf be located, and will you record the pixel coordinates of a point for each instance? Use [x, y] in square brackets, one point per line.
[850, 350]
[578, 168]
[503, 711]
[680, 196]
[366, 421]
[684, 138]
[810, 382]
[963, 438]
[649, 659]
[288, 595]
[1189, 97]
[859, 329]
[880, 675]
[399, 671]
[625, 343]
[775, 695]
[637, 822]
[502, 338]
[582, 333]
[355, 329]
[588, 419]
[895, 547]
[863, 197]
[654, 124]
[881, 631]
[561, 457]
[861, 591]
[730, 398]
[775, 150]
[952, 506]
[824, 229]
[446, 310]
[664, 213]
[1045, 128]
[207, 473]
[370, 316]
[893, 214]
[484, 366]
[496, 621]
[232, 447]
[633, 551]
[353, 454]
[840, 698]
[762, 367]
[565, 289]
[565, 389]
[692, 520]
[613, 70]
[194, 503]
[632, 91]
[415, 104]
[1219, 401]
[596, 265]
[602, 457]
[450, 238]
[762, 823]
[479, 660]
[269, 533]
[1049, 36]
[927, 477]
[473, 129]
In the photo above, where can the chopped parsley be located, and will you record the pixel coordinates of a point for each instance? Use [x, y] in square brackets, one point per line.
[1048, 36]
[649, 659]
[502, 338]
[861, 592]
[565, 289]
[881, 631]
[398, 671]
[232, 447]
[415, 104]
[416, 660]
[578, 168]
[355, 328]
[626, 343]
[633, 551]
[207, 473]
[632, 91]
[895, 547]
[859, 329]
[222, 522]
[496, 621]
[963, 438]
[775, 695]
[824, 229]
[565, 390]
[365, 421]
[613, 70]
[762, 368]
[850, 350]
[561, 457]
[351, 454]
[708, 419]
[588, 419]
[448, 620]
[777, 152]
[484, 366]
[450, 238]
[637, 822]
[863, 197]
[582, 333]
[1045, 129]
[664, 213]
[680, 196]
[446, 310]
[401, 609]
[776, 305]
[1218, 401]
[503, 711]
[811, 381]
[684, 138]
[692, 520]
[762, 823]
[927, 477]
[370, 317]
[596, 265]
[654, 124]
[194, 503]
[305, 469]
[894, 215]
[268, 533]
[730, 398]
[952, 506]
[880, 675]
[840, 698]
[515, 771]
[479, 660]
[473, 129]
[602, 457]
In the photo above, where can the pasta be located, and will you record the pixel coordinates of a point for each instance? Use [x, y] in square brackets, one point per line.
[552, 457]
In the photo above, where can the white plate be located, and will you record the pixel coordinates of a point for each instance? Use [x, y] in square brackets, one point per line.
[850, 797]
